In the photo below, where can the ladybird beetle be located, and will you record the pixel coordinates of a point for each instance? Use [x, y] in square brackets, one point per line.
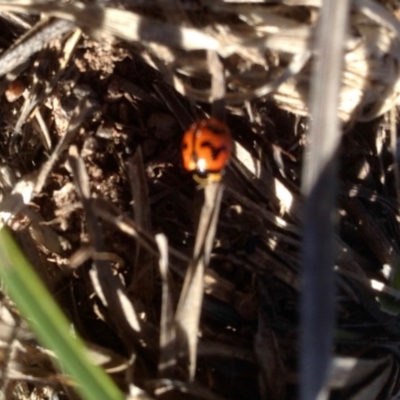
[206, 148]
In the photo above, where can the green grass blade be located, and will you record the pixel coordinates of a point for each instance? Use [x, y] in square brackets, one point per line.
[49, 324]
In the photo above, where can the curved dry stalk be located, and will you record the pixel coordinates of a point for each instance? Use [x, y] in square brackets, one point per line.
[189, 307]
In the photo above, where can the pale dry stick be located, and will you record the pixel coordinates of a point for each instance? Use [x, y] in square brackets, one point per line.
[319, 185]
[190, 303]
[17, 20]
[42, 130]
[378, 14]
[68, 49]
[167, 360]
[32, 42]
[217, 85]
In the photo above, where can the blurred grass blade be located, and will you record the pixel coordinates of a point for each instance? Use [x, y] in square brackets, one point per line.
[319, 185]
[50, 325]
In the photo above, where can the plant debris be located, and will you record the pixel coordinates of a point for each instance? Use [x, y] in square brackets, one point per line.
[95, 97]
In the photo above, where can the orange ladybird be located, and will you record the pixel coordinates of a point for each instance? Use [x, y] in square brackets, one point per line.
[206, 148]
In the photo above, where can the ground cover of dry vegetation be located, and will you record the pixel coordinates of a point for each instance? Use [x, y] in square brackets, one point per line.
[92, 119]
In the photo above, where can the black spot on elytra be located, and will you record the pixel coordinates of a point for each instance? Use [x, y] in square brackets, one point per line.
[215, 151]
